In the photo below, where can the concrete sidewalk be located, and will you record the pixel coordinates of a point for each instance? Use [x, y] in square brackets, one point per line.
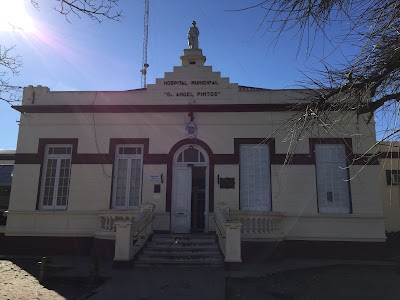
[199, 282]
[168, 282]
[164, 283]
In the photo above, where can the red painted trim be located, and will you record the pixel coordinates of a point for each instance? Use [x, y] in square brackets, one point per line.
[362, 160]
[349, 153]
[57, 141]
[256, 141]
[123, 141]
[160, 158]
[389, 155]
[28, 158]
[103, 248]
[352, 158]
[171, 154]
[155, 159]
[346, 141]
[41, 154]
[261, 251]
[335, 249]
[46, 245]
[147, 158]
[225, 159]
[7, 157]
[252, 252]
[91, 159]
[120, 141]
[219, 159]
[156, 108]
[108, 158]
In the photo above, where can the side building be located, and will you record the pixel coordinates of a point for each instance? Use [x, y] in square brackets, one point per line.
[7, 158]
[390, 188]
[191, 143]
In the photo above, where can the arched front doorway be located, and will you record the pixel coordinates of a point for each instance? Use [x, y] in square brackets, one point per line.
[190, 203]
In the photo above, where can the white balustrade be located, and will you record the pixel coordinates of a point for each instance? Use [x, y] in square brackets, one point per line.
[228, 233]
[107, 220]
[132, 234]
[259, 225]
[234, 226]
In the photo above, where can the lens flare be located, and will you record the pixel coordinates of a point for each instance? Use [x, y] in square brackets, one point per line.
[13, 16]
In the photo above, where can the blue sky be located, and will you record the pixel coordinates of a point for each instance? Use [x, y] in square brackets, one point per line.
[85, 55]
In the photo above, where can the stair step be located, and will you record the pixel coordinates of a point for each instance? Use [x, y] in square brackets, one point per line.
[174, 242]
[181, 255]
[189, 251]
[175, 264]
[181, 242]
[159, 260]
[185, 236]
[181, 250]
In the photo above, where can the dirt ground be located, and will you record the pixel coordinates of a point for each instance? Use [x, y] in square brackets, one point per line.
[19, 280]
[334, 282]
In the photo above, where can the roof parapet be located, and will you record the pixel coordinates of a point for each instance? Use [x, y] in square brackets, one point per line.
[31, 93]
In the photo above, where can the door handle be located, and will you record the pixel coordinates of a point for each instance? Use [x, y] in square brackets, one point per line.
[181, 213]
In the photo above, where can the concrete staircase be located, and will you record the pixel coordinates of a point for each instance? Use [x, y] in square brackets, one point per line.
[181, 250]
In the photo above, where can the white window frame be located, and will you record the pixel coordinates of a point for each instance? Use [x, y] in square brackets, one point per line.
[261, 187]
[179, 158]
[332, 179]
[129, 157]
[58, 158]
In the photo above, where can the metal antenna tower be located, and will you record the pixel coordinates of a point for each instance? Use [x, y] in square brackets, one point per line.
[145, 65]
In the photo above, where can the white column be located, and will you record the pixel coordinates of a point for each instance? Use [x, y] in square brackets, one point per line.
[233, 251]
[123, 241]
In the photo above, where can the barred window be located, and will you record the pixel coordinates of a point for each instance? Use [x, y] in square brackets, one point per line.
[255, 182]
[332, 178]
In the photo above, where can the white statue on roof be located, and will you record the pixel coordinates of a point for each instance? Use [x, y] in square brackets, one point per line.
[193, 36]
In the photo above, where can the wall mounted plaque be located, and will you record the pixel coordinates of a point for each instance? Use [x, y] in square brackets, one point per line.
[227, 183]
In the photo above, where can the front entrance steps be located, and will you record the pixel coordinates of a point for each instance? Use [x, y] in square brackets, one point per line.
[180, 250]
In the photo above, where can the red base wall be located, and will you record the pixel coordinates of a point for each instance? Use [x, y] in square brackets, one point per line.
[253, 252]
[48, 245]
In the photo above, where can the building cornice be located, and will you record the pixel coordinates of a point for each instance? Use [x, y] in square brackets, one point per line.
[157, 108]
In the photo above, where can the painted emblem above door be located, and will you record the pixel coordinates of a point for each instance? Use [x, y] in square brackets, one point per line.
[191, 130]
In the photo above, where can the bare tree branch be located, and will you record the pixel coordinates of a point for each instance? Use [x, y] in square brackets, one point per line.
[366, 83]
[10, 64]
[94, 9]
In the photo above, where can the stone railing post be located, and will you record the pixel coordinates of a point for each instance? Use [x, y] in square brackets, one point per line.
[123, 241]
[147, 206]
[223, 206]
[233, 253]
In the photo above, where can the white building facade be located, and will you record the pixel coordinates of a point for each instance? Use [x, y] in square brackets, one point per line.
[189, 144]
